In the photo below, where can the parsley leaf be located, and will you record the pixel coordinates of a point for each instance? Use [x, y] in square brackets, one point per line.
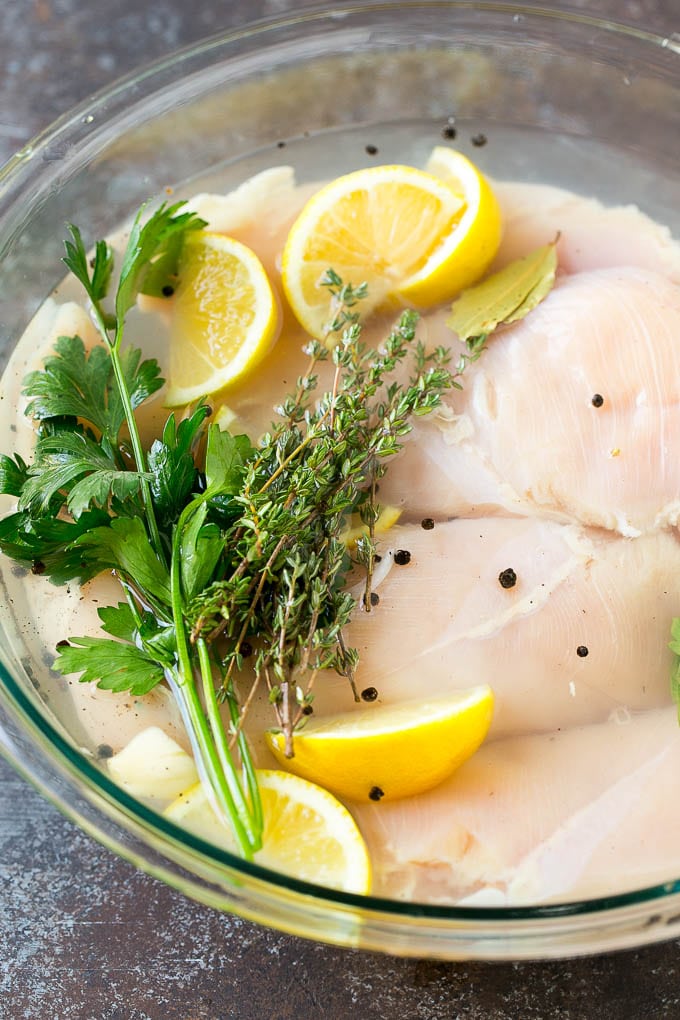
[13, 473]
[125, 546]
[201, 547]
[96, 278]
[63, 459]
[171, 463]
[152, 253]
[80, 384]
[47, 543]
[225, 459]
[119, 621]
[112, 665]
[157, 639]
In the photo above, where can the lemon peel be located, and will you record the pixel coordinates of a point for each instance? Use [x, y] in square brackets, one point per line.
[468, 250]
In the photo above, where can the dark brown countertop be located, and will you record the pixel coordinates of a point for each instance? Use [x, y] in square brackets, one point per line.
[83, 935]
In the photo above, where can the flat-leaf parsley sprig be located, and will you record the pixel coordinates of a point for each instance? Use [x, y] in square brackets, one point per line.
[95, 500]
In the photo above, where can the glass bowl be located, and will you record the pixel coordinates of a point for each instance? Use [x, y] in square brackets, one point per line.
[597, 107]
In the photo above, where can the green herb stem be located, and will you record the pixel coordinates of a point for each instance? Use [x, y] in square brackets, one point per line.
[216, 759]
[137, 448]
[241, 807]
[247, 764]
[207, 759]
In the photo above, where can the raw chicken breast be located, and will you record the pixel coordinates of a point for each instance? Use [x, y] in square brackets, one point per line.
[536, 818]
[524, 435]
[444, 621]
[591, 235]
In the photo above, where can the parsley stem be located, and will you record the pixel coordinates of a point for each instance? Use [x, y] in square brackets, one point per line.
[219, 736]
[206, 758]
[247, 762]
[205, 743]
[137, 448]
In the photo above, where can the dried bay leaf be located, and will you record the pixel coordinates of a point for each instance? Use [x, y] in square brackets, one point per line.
[506, 296]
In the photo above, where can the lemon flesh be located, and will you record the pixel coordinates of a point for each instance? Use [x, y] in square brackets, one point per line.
[379, 225]
[224, 317]
[307, 833]
[390, 751]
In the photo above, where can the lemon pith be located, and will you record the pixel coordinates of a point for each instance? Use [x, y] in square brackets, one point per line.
[390, 751]
[224, 317]
[307, 832]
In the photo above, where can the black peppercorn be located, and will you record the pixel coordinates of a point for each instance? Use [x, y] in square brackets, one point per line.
[375, 793]
[402, 557]
[246, 649]
[582, 651]
[507, 578]
[372, 150]
[280, 145]
[427, 524]
[168, 290]
[104, 751]
[369, 694]
[63, 643]
[479, 140]
[449, 132]
[38, 567]
[307, 710]
[597, 400]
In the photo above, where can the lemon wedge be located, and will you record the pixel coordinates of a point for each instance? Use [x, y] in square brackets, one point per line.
[390, 751]
[307, 833]
[380, 225]
[468, 250]
[413, 236]
[224, 318]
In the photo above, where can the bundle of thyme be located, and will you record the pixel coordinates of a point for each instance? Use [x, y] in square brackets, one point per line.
[223, 549]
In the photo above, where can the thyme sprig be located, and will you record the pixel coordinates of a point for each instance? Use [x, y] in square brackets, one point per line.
[285, 588]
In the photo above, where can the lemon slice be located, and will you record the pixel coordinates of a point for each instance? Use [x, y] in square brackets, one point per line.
[467, 251]
[224, 320]
[380, 225]
[307, 833]
[390, 751]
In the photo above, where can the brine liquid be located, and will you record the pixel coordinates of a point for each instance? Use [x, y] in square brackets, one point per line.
[38, 615]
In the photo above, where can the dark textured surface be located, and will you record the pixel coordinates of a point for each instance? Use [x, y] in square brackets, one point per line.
[85, 936]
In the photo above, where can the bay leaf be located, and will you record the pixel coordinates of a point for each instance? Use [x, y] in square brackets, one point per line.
[506, 296]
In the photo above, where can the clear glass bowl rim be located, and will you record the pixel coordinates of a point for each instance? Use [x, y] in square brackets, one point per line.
[100, 791]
